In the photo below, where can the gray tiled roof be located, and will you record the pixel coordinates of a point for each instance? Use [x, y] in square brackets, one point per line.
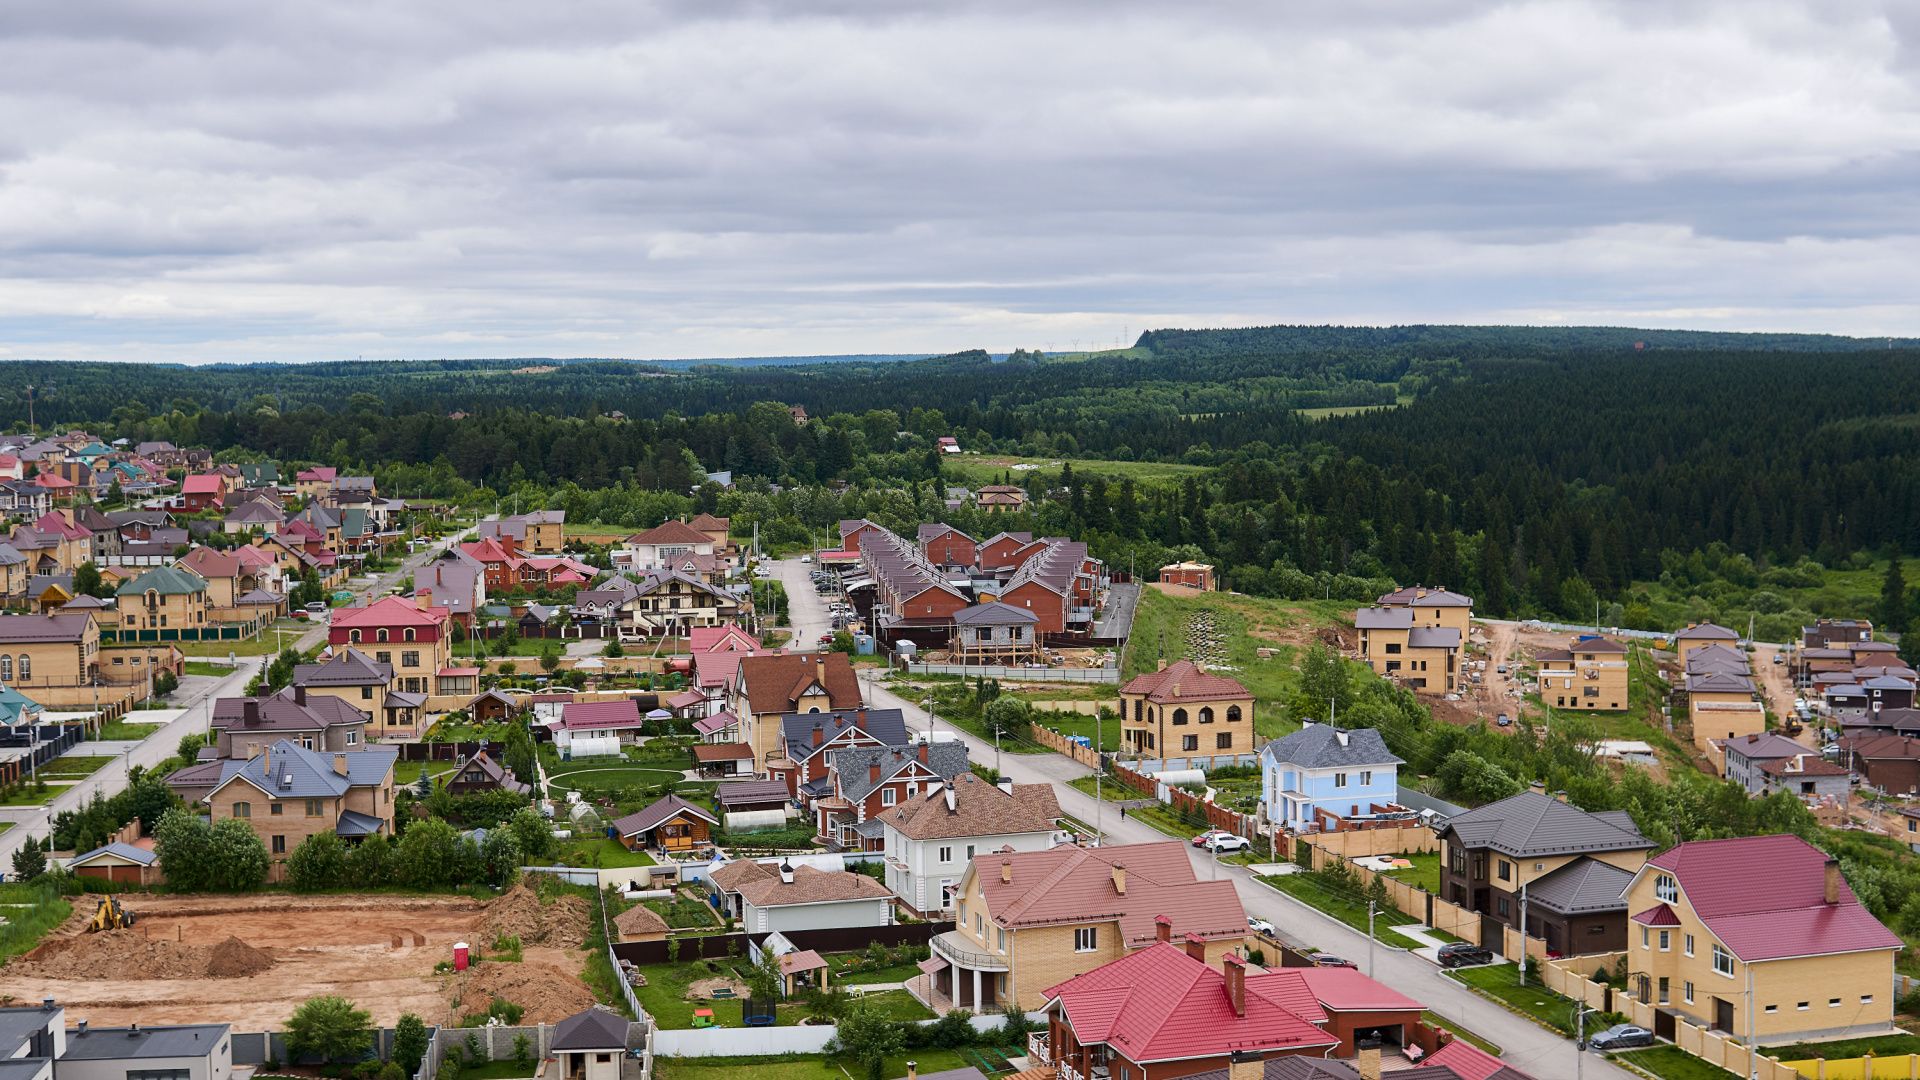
[596, 1029]
[855, 766]
[994, 614]
[885, 726]
[1532, 823]
[1580, 887]
[1381, 618]
[1433, 637]
[170, 1041]
[1320, 746]
[307, 774]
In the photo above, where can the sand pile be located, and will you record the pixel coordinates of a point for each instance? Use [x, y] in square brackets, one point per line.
[519, 913]
[547, 993]
[128, 954]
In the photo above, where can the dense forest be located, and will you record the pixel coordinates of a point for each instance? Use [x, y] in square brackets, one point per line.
[1545, 470]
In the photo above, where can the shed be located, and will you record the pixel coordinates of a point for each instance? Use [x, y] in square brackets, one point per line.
[671, 824]
[121, 863]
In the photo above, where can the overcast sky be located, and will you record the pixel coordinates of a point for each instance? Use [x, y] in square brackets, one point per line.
[236, 181]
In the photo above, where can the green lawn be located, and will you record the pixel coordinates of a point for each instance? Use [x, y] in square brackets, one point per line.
[609, 777]
[202, 667]
[1071, 724]
[1672, 1063]
[1244, 624]
[407, 773]
[1349, 410]
[975, 470]
[26, 796]
[262, 644]
[1349, 908]
[1435, 1020]
[1159, 815]
[890, 973]
[1502, 983]
[118, 731]
[664, 997]
[1425, 873]
[600, 851]
[40, 909]
[74, 766]
[684, 912]
[796, 1067]
[1846, 1048]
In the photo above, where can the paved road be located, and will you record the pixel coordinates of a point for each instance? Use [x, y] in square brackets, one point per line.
[1528, 1047]
[195, 698]
[806, 610]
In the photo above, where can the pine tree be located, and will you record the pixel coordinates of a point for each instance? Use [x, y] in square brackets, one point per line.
[1892, 615]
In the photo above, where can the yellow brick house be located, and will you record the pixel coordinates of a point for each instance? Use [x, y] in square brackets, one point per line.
[1590, 674]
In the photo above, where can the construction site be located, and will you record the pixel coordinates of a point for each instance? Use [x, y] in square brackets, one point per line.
[250, 961]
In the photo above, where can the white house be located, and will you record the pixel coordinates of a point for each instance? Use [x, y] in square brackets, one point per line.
[786, 897]
[929, 840]
[662, 546]
[1322, 772]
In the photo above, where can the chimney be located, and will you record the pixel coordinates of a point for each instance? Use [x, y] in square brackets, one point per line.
[1119, 879]
[920, 752]
[1245, 1065]
[1538, 787]
[133, 1030]
[340, 764]
[1560, 796]
[299, 694]
[1833, 881]
[1162, 929]
[818, 734]
[1161, 664]
[1006, 872]
[913, 1070]
[46, 1003]
[423, 598]
[873, 773]
[1196, 948]
[82, 1027]
[1005, 784]
[250, 710]
[1368, 1059]
[786, 872]
[266, 762]
[1235, 969]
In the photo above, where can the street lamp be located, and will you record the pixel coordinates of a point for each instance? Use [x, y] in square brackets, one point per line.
[1372, 910]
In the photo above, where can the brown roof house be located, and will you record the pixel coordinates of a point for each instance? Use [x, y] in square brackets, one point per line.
[807, 898]
[640, 923]
[770, 686]
[930, 841]
[671, 824]
[1184, 712]
[481, 773]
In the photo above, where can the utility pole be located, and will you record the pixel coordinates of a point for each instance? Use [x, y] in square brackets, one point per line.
[1523, 931]
[1099, 769]
[1579, 1040]
[1372, 909]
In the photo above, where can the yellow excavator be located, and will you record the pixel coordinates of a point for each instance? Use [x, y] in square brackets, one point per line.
[110, 915]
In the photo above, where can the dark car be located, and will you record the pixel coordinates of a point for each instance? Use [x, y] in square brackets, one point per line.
[1620, 1037]
[1461, 954]
[1321, 959]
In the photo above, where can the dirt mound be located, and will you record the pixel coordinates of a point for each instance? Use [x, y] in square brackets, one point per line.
[233, 959]
[547, 993]
[520, 914]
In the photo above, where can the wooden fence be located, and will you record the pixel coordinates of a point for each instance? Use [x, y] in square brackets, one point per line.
[1060, 744]
[831, 939]
[1410, 900]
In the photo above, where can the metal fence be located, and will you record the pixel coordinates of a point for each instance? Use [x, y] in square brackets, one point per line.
[1025, 674]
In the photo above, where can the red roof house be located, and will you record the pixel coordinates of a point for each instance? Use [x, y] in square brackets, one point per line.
[202, 490]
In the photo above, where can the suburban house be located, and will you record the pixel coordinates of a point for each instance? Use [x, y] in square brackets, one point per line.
[1060, 584]
[1434, 606]
[202, 491]
[165, 603]
[1589, 674]
[1192, 575]
[618, 718]
[1026, 920]
[943, 545]
[366, 684]
[1534, 850]
[931, 839]
[1324, 779]
[57, 658]
[119, 862]
[1784, 955]
[409, 635]
[995, 633]
[262, 515]
[1766, 762]
[863, 782]
[660, 602]
[909, 590]
[245, 726]
[809, 740]
[287, 793]
[1699, 635]
[1399, 646]
[786, 897]
[1001, 551]
[768, 687]
[1001, 499]
[480, 773]
[1165, 1011]
[1181, 711]
[1721, 705]
[542, 532]
[592, 1044]
[1888, 762]
[663, 546]
[670, 824]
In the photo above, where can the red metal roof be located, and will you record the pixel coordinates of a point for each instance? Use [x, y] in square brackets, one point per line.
[1466, 1059]
[1347, 990]
[388, 611]
[1764, 897]
[1159, 1004]
[203, 484]
[1184, 681]
[1657, 915]
[623, 713]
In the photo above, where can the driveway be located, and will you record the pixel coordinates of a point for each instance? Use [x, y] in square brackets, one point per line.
[1527, 1047]
[806, 610]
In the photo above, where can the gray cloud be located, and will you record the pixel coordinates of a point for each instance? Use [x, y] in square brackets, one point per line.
[233, 181]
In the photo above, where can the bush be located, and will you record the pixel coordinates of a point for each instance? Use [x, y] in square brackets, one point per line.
[329, 1026]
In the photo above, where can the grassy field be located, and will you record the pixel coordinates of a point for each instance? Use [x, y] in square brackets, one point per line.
[1502, 983]
[406, 773]
[796, 1067]
[1841, 592]
[610, 777]
[1070, 724]
[1349, 410]
[202, 667]
[74, 766]
[1349, 908]
[664, 998]
[262, 644]
[1244, 624]
[30, 911]
[977, 469]
[600, 851]
[684, 912]
[596, 533]
[1672, 1063]
[1846, 1048]
[1425, 873]
[27, 796]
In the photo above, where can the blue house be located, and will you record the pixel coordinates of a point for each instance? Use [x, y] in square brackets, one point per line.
[1323, 772]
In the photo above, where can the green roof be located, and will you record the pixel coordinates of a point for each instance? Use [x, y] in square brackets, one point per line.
[165, 580]
[14, 704]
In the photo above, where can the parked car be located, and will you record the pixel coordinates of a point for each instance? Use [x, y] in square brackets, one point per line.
[1225, 842]
[1503, 720]
[318, 607]
[806, 558]
[1620, 1037]
[1462, 954]
[1206, 837]
[1321, 959]
[1501, 668]
[1259, 926]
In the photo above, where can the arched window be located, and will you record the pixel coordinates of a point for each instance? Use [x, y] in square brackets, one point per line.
[6, 668]
[380, 634]
[1153, 716]
[407, 634]
[242, 810]
[26, 667]
[153, 598]
[353, 637]
[1206, 714]
[1179, 716]
[1233, 714]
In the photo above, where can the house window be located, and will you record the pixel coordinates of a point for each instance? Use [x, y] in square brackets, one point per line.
[383, 657]
[410, 659]
[26, 667]
[1666, 888]
[1722, 961]
[979, 926]
[1866, 999]
[1206, 715]
[1504, 869]
[1666, 941]
[1771, 1009]
[1223, 741]
[1687, 944]
[1506, 907]
[969, 852]
[1393, 648]
[279, 845]
[353, 637]
[1833, 1003]
[1686, 991]
[887, 796]
[1233, 714]
[273, 809]
[1339, 780]
[366, 693]
[1663, 990]
[6, 671]
[1803, 1006]
[408, 635]
[1179, 717]
[242, 810]
[380, 635]
[1086, 938]
[946, 854]
[1366, 777]
[315, 808]
[1000, 938]
[1189, 742]
[1646, 938]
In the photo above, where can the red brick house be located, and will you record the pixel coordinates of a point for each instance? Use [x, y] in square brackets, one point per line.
[202, 492]
[945, 545]
[1001, 550]
[867, 781]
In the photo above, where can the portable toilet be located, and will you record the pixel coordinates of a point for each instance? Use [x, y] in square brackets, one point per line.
[459, 956]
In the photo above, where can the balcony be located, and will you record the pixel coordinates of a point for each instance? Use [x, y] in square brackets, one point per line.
[961, 951]
[1037, 1050]
[1068, 1072]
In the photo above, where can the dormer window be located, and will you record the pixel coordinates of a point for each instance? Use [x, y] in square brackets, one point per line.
[1665, 888]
